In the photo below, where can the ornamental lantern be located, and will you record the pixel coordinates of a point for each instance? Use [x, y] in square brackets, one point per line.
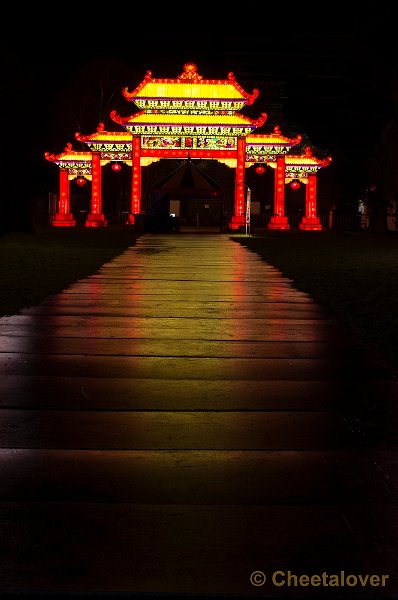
[81, 181]
[260, 169]
[295, 184]
[116, 167]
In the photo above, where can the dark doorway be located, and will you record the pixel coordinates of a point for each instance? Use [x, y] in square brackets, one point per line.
[189, 195]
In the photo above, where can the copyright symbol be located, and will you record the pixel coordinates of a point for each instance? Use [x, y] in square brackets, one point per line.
[257, 578]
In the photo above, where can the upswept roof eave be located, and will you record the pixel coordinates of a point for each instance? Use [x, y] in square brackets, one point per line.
[250, 98]
[295, 159]
[307, 157]
[124, 120]
[131, 95]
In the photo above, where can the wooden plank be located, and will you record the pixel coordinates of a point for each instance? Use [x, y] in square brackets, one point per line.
[178, 430]
[199, 477]
[135, 301]
[165, 309]
[62, 326]
[161, 347]
[187, 368]
[114, 394]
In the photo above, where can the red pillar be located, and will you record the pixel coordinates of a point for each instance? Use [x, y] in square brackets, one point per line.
[278, 219]
[136, 180]
[238, 218]
[96, 218]
[310, 221]
[63, 218]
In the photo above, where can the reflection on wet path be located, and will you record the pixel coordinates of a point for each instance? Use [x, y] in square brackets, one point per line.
[191, 405]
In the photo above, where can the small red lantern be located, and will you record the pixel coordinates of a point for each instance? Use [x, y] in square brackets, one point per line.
[116, 167]
[260, 169]
[81, 181]
[295, 184]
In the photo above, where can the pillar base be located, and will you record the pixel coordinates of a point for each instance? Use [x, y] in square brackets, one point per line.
[96, 220]
[310, 224]
[62, 220]
[278, 222]
[237, 222]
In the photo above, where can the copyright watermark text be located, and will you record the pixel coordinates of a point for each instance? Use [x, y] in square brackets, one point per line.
[341, 579]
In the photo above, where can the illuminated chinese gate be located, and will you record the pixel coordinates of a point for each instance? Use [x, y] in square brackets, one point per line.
[188, 117]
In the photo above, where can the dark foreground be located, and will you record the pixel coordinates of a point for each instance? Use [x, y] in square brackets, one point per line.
[184, 423]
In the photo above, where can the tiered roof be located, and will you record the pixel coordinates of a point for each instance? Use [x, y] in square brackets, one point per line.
[191, 114]
[113, 145]
[302, 166]
[262, 147]
[189, 105]
[77, 163]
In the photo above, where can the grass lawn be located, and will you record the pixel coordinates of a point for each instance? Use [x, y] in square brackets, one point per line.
[35, 265]
[354, 275]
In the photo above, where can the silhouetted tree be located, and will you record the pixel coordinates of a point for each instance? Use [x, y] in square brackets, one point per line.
[383, 168]
[88, 99]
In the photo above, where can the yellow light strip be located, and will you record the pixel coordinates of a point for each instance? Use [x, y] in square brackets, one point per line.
[186, 119]
[221, 89]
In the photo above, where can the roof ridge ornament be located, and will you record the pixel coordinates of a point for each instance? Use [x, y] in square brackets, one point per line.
[190, 72]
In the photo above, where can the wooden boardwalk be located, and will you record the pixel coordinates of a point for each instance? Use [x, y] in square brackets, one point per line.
[184, 418]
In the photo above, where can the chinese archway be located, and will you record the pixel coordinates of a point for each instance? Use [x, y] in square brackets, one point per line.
[189, 118]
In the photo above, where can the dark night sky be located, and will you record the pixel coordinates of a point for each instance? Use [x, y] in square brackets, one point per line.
[333, 69]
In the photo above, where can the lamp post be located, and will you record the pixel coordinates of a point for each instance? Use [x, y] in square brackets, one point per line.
[248, 207]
